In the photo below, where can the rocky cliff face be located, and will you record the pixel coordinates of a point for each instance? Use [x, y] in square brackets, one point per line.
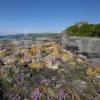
[90, 47]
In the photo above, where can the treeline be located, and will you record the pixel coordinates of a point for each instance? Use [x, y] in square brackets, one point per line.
[83, 29]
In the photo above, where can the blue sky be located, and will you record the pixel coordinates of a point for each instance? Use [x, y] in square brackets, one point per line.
[20, 16]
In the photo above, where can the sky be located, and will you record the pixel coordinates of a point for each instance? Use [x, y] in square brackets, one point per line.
[38, 16]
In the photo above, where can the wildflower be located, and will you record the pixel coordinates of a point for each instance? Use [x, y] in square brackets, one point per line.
[62, 94]
[37, 94]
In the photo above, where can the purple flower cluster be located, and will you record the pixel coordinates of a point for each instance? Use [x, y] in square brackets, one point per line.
[62, 94]
[27, 58]
[37, 94]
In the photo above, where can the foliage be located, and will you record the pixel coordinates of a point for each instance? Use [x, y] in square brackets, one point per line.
[84, 29]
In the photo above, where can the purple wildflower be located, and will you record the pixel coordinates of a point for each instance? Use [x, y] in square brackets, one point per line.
[37, 94]
[62, 94]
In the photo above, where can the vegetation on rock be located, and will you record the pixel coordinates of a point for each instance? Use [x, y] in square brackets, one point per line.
[57, 74]
[84, 29]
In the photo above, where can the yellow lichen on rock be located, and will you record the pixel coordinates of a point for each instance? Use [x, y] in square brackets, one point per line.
[2, 53]
[91, 72]
[22, 61]
[97, 69]
[77, 96]
[37, 65]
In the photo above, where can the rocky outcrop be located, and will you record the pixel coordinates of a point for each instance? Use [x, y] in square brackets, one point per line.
[47, 71]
